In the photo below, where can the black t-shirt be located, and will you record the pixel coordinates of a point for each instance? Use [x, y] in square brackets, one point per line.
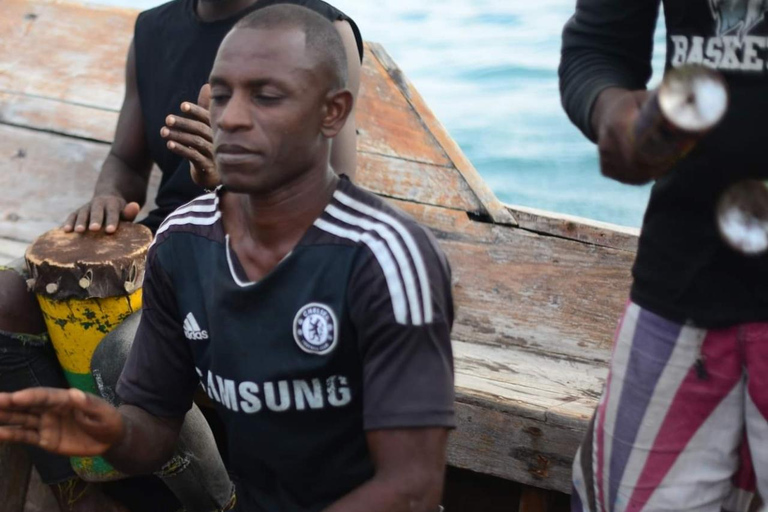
[174, 57]
[349, 333]
[684, 270]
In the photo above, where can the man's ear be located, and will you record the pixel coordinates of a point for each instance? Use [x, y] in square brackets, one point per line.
[338, 105]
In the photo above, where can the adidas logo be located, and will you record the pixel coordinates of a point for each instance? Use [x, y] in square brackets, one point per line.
[192, 329]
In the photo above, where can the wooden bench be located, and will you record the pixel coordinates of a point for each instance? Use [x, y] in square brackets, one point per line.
[537, 295]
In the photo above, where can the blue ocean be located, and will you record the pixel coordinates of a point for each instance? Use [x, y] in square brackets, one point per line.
[488, 68]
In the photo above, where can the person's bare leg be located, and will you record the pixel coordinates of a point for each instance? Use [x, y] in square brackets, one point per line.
[19, 312]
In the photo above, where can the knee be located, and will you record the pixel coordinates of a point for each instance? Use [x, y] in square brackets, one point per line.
[110, 356]
[19, 311]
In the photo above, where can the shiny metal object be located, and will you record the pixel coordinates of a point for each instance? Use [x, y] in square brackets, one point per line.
[690, 101]
[742, 216]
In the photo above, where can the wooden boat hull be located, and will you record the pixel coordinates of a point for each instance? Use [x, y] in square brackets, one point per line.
[537, 295]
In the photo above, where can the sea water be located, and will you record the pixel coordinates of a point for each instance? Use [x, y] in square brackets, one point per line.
[488, 69]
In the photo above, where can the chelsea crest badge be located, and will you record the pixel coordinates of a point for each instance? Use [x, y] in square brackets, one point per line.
[315, 329]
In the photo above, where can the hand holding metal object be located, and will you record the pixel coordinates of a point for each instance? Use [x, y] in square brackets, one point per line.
[690, 101]
[742, 216]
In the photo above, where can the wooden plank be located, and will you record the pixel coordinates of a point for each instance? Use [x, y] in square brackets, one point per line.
[43, 178]
[63, 51]
[520, 449]
[539, 295]
[57, 117]
[576, 228]
[543, 294]
[386, 123]
[14, 477]
[414, 181]
[526, 382]
[493, 207]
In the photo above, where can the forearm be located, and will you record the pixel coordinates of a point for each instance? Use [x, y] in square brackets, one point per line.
[602, 105]
[117, 178]
[607, 43]
[401, 493]
[146, 444]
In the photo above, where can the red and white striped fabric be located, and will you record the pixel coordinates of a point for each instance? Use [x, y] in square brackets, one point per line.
[680, 422]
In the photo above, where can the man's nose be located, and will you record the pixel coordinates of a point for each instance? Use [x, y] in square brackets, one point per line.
[236, 115]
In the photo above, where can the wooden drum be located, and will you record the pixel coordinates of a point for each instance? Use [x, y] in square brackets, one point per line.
[87, 284]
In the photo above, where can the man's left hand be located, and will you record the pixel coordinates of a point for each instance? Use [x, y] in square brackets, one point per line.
[191, 138]
[64, 421]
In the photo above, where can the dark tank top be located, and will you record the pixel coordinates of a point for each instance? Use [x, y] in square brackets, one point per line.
[174, 56]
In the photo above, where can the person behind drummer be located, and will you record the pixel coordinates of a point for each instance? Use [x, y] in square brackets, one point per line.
[688, 377]
[315, 315]
[146, 134]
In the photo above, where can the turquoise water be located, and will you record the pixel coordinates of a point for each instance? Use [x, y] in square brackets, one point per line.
[488, 68]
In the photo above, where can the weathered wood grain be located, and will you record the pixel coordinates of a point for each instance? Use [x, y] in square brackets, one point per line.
[512, 447]
[387, 124]
[515, 288]
[56, 116]
[417, 182]
[492, 206]
[576, 228]
[62, 51]
[14, 477]
[43, 177]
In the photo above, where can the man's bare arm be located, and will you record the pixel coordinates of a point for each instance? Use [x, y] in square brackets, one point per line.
[410, 470]
[147, 444]
[70, 422]
[122, 184]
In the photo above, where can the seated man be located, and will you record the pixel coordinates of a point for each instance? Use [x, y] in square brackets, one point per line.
[146, 134]
[314, 314]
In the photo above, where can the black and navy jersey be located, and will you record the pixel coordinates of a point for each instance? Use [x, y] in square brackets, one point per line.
[349, 333]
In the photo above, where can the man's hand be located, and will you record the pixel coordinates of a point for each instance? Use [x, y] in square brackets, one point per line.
[64, 421]
[613, 119]
[102, 210]
[192, 138]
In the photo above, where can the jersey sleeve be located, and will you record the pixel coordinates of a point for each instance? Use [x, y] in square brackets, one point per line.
[402, 309]
[159, 375]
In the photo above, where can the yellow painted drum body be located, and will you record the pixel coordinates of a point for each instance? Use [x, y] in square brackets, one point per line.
[86, 285]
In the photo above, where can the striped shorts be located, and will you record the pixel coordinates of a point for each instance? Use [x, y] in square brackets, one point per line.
[682, 421]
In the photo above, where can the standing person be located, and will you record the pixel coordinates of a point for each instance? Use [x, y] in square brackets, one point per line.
[688, 376]
[168, 62]
[317, 316]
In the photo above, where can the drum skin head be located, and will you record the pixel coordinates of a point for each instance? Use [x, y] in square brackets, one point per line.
[88, 265]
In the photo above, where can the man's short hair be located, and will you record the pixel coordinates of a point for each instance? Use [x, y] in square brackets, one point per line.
[323, 42]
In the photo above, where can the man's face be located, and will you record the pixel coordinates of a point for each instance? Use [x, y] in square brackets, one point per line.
[267, 106]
